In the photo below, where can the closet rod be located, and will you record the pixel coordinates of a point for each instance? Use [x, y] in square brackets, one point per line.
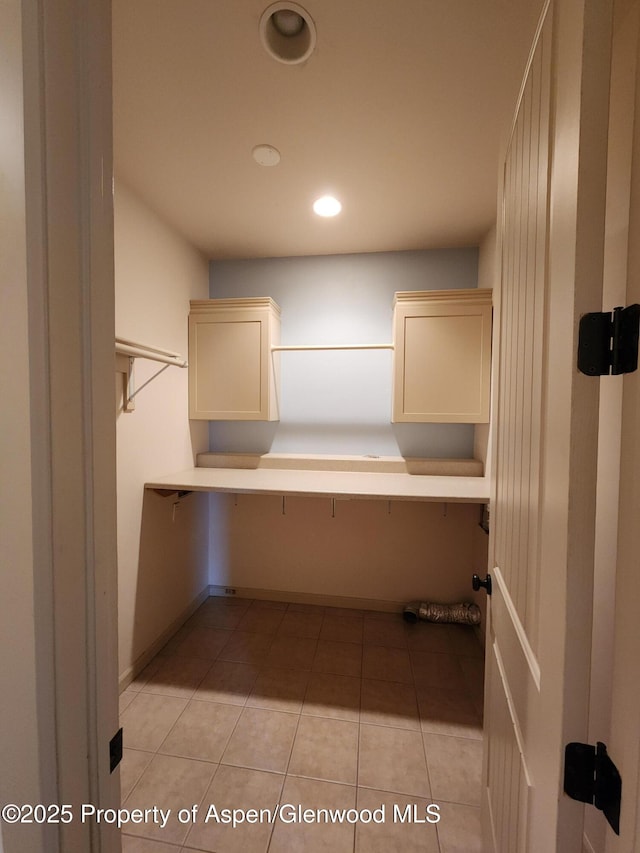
[136, 350]
[331, 347]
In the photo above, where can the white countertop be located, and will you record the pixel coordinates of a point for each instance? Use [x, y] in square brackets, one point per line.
[338, 484]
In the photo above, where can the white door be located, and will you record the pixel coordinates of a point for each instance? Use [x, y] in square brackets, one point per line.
[545, 434]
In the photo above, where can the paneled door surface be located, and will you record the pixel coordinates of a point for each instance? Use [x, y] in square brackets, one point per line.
[545, 434]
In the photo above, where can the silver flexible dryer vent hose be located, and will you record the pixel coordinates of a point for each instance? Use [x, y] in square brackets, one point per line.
[465, 613]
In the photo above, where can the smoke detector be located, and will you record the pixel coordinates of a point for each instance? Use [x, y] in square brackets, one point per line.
[287, 32]
[266, 155]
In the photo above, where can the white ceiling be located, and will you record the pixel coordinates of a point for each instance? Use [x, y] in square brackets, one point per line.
[400, 112]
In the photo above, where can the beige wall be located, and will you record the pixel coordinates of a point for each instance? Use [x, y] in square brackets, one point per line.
[162, 554]
[366, 550]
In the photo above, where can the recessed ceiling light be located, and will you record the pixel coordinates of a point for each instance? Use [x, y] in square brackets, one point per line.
[327, 206]
[266, 155]
[287, 32]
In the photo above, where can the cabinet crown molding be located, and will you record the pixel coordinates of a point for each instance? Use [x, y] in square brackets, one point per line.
[202, 306]
[470, 295]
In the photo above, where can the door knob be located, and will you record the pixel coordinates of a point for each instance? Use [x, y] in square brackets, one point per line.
[477, 583]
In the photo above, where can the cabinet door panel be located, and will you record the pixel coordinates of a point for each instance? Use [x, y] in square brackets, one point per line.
[227, 355]
[442, 371]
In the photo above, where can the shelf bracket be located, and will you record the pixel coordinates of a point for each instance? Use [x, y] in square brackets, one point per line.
[126, 354]
[128, 383]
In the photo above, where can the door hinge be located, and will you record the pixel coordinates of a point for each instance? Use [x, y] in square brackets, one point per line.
[115, 750]
[590, 776]
[608, 343]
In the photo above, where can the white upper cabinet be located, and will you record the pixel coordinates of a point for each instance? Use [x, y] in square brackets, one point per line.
[441, 365]
[442, 356]
[232, 370]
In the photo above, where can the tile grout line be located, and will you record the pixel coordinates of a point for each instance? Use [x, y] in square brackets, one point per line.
[355, 829]
[422, 740]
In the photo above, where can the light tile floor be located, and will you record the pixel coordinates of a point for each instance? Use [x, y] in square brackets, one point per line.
[255, 703]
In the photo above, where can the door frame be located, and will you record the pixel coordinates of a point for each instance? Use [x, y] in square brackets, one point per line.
[67, 225]
[623, 737]
[606, 620]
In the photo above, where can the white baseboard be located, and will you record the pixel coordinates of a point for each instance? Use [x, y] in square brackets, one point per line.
[142, 660]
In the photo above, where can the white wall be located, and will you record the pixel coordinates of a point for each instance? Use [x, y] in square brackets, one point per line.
[340, 402]
[162, 556]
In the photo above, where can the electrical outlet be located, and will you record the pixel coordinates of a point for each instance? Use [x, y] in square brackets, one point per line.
[229, 591]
